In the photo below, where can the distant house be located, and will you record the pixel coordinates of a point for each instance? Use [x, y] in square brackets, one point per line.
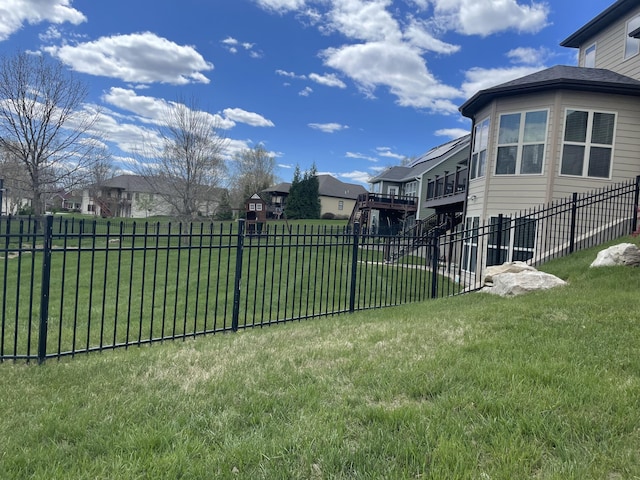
[134, 196]
[336, 198]
[561, 130]
[441, 167]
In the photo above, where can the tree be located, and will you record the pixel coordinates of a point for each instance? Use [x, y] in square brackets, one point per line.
[253, 170]
[187, 164]
[101, 170]
[43, 124]
[303, 200]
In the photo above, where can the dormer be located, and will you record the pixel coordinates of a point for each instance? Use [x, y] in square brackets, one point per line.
[611, 40]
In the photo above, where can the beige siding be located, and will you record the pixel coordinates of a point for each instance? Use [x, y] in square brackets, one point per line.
[331, 204]
[495, 194]
[626, 150]
[610, 48]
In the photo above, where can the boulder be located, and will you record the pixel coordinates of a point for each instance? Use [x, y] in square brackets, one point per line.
[622, 254]
[507, 267]
[511, 284]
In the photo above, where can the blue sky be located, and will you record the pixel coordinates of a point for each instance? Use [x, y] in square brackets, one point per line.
[352, 85]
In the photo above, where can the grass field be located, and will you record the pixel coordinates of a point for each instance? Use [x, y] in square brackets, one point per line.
[543, 386]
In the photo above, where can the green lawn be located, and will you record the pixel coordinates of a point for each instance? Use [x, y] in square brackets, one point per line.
[543, 386]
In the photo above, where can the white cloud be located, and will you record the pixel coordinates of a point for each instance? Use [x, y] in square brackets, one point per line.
[138, 57]
[328, 127]
[329, 80]
[15, 13]
[361, 156]
[418, 35]
[250, 118]
[485, 17]
[364, 20]
[529, 56]
[305, 92]
[451, 133]
[477, 79]
[284, 73]
[281, 6]
[356, 176]
[396, 66]
[386, 152]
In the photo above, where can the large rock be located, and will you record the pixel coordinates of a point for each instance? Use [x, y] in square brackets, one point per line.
[621, 254]
[507, 267]
[511, 284]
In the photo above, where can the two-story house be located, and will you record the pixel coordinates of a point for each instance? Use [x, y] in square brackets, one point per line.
[561, 130]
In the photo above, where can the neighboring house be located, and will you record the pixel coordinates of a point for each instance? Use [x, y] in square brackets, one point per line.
[561, 130]
[426, 172]
[336, 198]
[133, 196]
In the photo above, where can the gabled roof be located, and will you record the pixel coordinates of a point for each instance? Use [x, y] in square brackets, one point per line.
[328, 186]
[594, 80]
[599, 23]
[129, 183]
[424, 162]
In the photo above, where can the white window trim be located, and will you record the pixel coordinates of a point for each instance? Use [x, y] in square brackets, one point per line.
[593, 46]
[474, 169]
[521, 144]
[587, 144]
[627, 38]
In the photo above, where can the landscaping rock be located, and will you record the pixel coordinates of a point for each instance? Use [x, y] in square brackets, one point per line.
[507, 267]
[622, 254]
[511, 284]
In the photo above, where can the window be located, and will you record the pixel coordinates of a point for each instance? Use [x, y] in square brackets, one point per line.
[411, 189]
[632, 45]
[588, 144]
[510, 240]
[479, 153]
[590, 56]
[340, 205]
[521, 143]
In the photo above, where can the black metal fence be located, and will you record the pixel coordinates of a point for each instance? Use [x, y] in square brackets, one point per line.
[69, 286]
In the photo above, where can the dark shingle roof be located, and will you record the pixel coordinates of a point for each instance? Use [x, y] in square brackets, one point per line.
[595, 80]
[328, 186]
[129, 183]
[599, 23]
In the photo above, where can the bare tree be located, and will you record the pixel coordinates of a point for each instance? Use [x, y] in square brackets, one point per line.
[253, 170]
[188, 165]
[43, 123]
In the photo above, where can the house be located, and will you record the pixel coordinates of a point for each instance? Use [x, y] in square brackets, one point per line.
[337, 198]
[561, 130]
[136, 197]
[443, 169]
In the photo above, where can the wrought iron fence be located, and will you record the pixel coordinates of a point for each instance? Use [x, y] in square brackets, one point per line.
[70, 287]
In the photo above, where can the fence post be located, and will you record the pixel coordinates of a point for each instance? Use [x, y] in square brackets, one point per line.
[574, 211]
[44, 289]
[498, 250]
[636, 199]
[354, 267]
[238, 276]
[435, 258]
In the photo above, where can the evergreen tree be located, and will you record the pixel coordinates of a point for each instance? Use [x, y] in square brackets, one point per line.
[294, 206]
[303, 200]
